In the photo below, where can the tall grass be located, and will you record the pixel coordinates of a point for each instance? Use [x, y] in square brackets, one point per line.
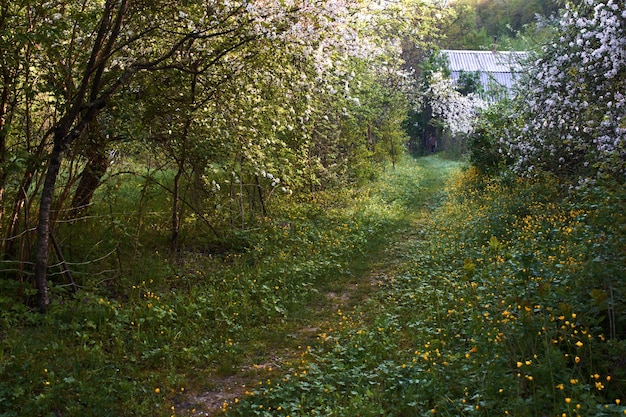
[138, 343]
[499, 307]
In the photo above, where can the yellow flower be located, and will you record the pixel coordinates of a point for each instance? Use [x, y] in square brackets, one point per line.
[579, 344]
[568, 400]
[157, 390]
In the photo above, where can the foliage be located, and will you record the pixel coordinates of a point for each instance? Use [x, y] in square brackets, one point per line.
[150, 336]
[484, 143]
[230, 105]
[497, 308]
[453, 110]
[477, 22]
[572, 103]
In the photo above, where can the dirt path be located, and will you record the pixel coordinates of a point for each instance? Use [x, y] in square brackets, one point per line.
[225, 390]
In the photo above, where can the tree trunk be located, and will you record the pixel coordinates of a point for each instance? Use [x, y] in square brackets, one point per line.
[20, 207]
[43, 227]
[90, 179]
[4, 101]
[176, 210]
[260, 190]
[181, 166]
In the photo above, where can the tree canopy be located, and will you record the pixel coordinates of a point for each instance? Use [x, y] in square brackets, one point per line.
[229, 104]
[478, 22]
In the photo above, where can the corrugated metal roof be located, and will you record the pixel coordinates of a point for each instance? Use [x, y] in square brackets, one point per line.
[483, 61]
[497, 69]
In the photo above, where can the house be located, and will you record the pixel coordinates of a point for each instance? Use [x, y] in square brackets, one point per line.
[497, 71]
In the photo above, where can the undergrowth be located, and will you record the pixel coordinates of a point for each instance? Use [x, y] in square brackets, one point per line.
[505, 297]
[510, 301]
[137, 344]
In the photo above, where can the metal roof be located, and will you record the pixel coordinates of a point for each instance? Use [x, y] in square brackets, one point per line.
[497, 70]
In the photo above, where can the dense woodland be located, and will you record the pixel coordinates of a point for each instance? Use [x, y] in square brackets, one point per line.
[182, 182]
[514, 23]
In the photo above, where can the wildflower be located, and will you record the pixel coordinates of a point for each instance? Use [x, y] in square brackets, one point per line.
[157, 390]
[568, 400]
[579, 344]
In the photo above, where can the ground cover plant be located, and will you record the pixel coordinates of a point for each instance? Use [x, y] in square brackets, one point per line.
[180, 323]
[508, 301]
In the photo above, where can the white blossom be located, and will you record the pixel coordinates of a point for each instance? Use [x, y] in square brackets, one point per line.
[573, 101]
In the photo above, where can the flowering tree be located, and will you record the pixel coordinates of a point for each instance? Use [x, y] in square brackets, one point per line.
[236, 100]
[573, 103]
[454, 111]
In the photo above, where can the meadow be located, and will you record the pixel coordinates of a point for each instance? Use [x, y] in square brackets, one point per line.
[507, 300]
[430, 291]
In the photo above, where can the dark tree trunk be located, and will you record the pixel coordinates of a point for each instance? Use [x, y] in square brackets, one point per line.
[90, 179]
[90, 99]
[176, 211]
[43, 227]
[260, 190]
[181, 166]
[18, 205]
[4, 101]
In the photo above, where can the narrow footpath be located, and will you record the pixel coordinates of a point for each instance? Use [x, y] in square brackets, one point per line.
[418, 185]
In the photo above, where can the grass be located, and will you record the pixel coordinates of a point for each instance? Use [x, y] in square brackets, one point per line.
[496, 308]
[404, 298]
[141, 343]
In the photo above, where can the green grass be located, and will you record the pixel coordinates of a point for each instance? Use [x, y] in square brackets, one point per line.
[136, 344]
[404, 297]
[497, 307]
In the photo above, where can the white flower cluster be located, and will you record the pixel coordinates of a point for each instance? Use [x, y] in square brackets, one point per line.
[454, 110]
[573, 103]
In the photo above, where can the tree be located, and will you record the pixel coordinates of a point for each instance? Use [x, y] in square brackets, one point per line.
[239, 101]
[573, 100]
[119, 42]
